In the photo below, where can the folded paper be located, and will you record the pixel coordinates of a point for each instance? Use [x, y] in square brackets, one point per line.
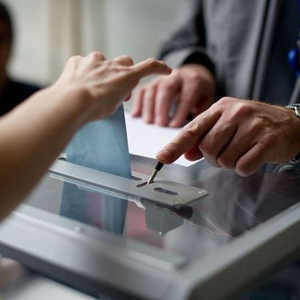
[101, 145]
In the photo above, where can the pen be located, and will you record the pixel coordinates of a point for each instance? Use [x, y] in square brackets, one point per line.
[155, 171]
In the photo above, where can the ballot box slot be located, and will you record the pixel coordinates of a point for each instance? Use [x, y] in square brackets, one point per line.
[168, 192]
[161, 191]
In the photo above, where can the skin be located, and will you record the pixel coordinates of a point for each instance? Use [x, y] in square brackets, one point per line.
[191, 88]
[33, 134]
[238, 134]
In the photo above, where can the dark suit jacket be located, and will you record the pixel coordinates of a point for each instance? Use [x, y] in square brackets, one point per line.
[245, 44]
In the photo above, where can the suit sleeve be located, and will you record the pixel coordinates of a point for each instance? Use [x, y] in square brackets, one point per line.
[187, 43]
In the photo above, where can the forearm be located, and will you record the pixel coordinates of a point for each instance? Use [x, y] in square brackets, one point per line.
[32, 136]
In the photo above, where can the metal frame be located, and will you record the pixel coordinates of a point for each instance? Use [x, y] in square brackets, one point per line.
[86, 258]
[130, 189]
[95, 261]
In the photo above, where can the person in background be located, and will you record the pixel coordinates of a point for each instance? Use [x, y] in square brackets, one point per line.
[12, 92]
[234, 48]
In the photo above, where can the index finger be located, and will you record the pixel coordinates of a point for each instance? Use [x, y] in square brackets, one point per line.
[150, 67]
[189, 136]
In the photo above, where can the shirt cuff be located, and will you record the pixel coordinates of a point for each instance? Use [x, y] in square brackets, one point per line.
[189, 56]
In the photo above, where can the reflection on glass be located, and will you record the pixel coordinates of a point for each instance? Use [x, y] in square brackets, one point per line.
[100, 210]
[238, 204]
[234, 206]
[162, 219]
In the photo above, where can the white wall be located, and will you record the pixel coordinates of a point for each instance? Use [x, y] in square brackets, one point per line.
[32, 49]
[135, 26]
[49, 31]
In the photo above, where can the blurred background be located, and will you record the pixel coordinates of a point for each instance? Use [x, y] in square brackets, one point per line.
[48, 32]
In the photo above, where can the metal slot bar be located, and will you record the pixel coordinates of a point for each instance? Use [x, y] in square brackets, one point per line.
[181, 194]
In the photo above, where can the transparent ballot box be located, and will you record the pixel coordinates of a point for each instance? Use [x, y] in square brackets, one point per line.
[101, 234]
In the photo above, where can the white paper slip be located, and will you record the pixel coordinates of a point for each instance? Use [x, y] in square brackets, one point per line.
[147, 139]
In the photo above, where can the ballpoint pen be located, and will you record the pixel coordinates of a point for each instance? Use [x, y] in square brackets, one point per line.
[155, 171]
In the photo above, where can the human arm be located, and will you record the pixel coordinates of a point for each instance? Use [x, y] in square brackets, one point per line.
[33, 134]
[238, 134]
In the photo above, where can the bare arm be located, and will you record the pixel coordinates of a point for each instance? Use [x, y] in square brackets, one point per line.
[33, 134]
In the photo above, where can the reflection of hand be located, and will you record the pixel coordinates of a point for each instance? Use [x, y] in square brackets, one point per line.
[191, 86]
[238, 134]
[105, 83]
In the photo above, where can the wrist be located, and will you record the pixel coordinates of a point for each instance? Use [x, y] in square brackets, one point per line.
[74, 102]
[200, 69]
[202, 59]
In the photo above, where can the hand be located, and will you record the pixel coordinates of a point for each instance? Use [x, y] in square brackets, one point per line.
[238, 134]
[191, 87]
[106, 82]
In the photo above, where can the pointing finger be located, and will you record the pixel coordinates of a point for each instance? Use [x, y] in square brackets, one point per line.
[190, 135]
[150, 67]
